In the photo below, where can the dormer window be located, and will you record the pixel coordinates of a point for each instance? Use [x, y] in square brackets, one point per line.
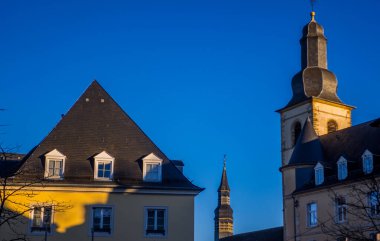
[367, 158]
[342, 168]
[319, 174]
[54, 165]
[152, 168]
[103, 163]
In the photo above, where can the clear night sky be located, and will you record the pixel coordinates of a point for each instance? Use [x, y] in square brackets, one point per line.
[201, 78]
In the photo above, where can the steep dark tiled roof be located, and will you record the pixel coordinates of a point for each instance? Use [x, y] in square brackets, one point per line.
[349, 143]
[272, 234]
[96, 123]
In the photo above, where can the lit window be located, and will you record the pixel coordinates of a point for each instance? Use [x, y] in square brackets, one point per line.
[152, 168]
[155, 221]
[374, 205]
[101, 220]
[319, 174]
[312, 215]
[341, 210]
[41, 219]
[103, 166]
[54, 165]
[342, 168]
[367, 162]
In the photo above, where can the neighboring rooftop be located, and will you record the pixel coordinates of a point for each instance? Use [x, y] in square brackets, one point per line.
[350, 143]
[272, 234]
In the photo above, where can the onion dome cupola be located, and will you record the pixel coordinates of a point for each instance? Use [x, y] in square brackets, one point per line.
[314, 80]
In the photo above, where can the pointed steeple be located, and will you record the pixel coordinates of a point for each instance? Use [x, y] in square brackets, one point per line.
[314, 80]
[308, 149]
[224, 181]
[223, 212]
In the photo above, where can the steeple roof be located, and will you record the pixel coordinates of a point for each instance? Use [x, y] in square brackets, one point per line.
[224, 181]
[308, 149]
[314, 79]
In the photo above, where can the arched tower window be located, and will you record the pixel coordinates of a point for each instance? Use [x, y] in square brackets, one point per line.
[296, 131]
[332, 126]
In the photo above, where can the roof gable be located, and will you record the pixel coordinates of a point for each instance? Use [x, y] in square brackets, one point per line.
[104, 155]
[54, 153]
[96, 123]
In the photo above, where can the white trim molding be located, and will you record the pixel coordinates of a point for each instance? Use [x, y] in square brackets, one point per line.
[105, 159]
[342, 168]
[55, 157]
[154, 164]
[367, 159]
[319, 174]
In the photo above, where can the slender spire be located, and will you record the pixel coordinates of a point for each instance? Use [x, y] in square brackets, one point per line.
[224, 181]
[224, 223]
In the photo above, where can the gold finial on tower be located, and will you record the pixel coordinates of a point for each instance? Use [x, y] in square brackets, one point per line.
[312, 14]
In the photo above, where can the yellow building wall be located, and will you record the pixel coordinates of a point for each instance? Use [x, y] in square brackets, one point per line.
[128, 214]
[324, 111]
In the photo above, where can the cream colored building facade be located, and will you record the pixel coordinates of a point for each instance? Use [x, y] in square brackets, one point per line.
[323, 155]
[97, 176]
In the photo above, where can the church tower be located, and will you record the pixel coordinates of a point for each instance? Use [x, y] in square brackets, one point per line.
[314, 110]
[314, 93]
[224, 224]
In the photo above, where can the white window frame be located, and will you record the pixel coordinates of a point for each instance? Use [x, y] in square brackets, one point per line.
[155, 160]
[155, 235]
[319, 174]
[312, 216]
[342, 168]
[54, 155]
[374, 203]
[367, 159]
[341, 210]
[31, 218]
[101, 234]
[105, 158]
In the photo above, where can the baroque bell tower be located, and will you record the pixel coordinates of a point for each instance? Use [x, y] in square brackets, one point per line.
[314, 93]
[224, 224]
[314, 110]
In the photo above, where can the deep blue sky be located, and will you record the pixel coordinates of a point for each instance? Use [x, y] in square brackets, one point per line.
[201, 78]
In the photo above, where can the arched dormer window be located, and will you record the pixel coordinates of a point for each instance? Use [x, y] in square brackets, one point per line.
[332, 126]
[367, 158]
[54, 165]
[319, 174]
[296, 131]
[342, 168]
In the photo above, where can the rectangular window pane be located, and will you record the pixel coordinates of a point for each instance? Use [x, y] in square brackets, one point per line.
[37, 217]
[102, 219]
[312, 214]
[155, 222]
